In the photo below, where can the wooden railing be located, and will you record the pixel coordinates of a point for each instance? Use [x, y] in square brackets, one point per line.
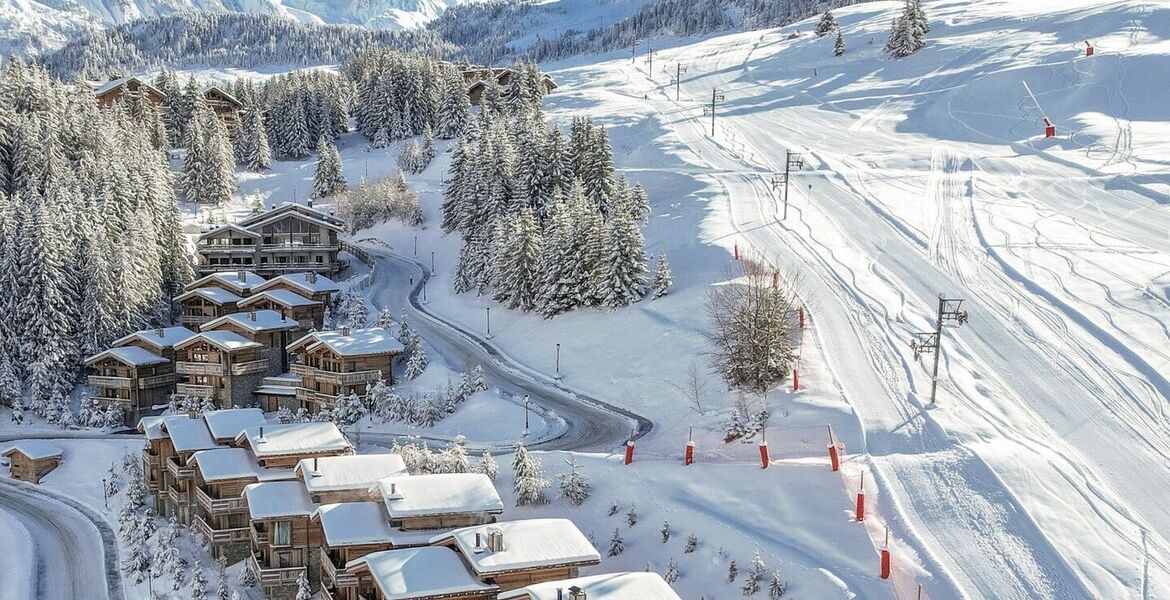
[220, 506]
[330, 574]
[252, 366]
[300, 247]
[307, 395]
[152, 461]
[190, 389]
[121, 383]
[301, 370]
[271, 576]
[259, 538]
[195, 319]
[198, 368]
[176, 496]
[156, 381]
[351, 378]
[220, 536]
[179, 471]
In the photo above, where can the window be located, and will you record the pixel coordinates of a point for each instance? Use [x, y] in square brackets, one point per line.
[281, 536]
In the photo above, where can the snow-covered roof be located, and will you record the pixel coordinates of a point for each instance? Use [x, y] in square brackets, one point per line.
[419, 572]
[241, 282]
[228, 423]
[114, 84]
[187, 434]
[228, 227]
[359, 342]
[34, 449]
[255, 321]
[163, 339]
[349, 472]
[151, 427]
[439, 494]
[221, 92]
[355, 523]
[610, 586]
[282, 297]
[294, 438]
[228, 341]
[219, 464]
[276, 499]
[530, 543]
[276, 390]
[308, 282]
[217, 295]
[290, 207]
[129, 355]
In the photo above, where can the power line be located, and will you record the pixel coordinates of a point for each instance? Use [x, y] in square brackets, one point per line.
[791, 159]
[949, 312]
[716, 97]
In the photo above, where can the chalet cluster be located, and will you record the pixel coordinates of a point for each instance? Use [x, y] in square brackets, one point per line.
[285, 239]
[225, 106]
[294, 500]
[246, 341]
[479, 78]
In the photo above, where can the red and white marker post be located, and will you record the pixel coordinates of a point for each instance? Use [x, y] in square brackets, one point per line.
[860, 513]
[689, 454]
[834, 459]
[764, 460]
[1088, 49]
[885, 561]
[629, 452]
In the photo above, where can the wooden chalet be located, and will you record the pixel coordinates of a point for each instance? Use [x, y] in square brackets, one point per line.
[438, 501]
[201, 305]
[349, 531]
[270, 328]
[221, 514]
[227, 425]
[424, 573]
[346, 361]
[161, 341]
[30, 460]
[609, 586]
[287, 239]
[222, 365]
[128, 89]
[240, 283]
[514, 554]
[308, 314]
[225, 106]
[278, 392]
[286, 444]
[133, 377]
[346, 478]
[180, 437]
[283, 545]
[309, 284]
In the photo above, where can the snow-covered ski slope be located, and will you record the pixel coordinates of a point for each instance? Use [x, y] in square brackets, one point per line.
[1045, 468]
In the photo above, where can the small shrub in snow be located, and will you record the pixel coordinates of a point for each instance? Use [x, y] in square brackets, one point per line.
[732, 571]
[198, 583]
[247, 578]
[663, 277]
[284, 415]
[671, 574]
[777, 588]
[616, 544]
[632, 516]
[454, 457]
[487, 466]
[348, 409]
[755, 575]
[665, 531]
[529, 482]
[575, 487]
[614, 508]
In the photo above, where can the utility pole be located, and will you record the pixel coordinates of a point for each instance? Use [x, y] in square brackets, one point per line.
[489, 321]
[650, 61]
[716, 97]
[558, 360]
[791, 160]
[634, 50]
[931, 341]
[678, 71]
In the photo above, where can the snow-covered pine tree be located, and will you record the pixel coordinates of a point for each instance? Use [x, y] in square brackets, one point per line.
[616, 544]
[416, 364]
[348, 409]
[825, 25]
[777, 587]
[632, 516]
[304, 592]
[198, 583]
[671, 574]
[329, 178]
[755, 575]
[528, 479]
[487, 466]
[454, 458]
[518, 267]
[692, 543]
[454, 106]
[665, 531]
[625, 267]
[839, 44]
[255, 153]
[575, 486]
[663, 277]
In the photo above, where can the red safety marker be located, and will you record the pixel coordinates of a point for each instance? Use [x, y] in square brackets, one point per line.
[1088, 49]
[737, 251]
[764, 461]
[886, 556]
[689, 455]
[629, 452]
[834, 460]
[1049, 128]
[795, 379]
[860, 514]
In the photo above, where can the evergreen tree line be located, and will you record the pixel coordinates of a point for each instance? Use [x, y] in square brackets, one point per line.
[546, 224]
[908, 31]
[300, 108]
[90, 240]
[224, 40]
[401, 94]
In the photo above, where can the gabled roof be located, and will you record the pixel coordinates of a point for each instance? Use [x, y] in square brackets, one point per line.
[226, 424]
[294, 438]
[187, 434]
[289, 207]
[285, 298]
[272, 216]
[275, 499]
[255, 321]
[359, 342]
[610, 586]
[439, 494]
[419, 572]
[355, 523]
[151, 427]
[231, 279]
[308, 282]
[34, 449]
[220, 464]
[114, 84]
[163, 339]
[226, 96]
[229, 227]
[350, 472]
[528, 544]
[228, 341]
[215, 295]
[129, 355]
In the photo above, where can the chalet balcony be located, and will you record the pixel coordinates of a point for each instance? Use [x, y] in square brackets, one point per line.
[332, 574]
[260, 536]
[189, 389]
[205, 248]
[307, 395]
[293, 267]
[250, 367]
[220, 536]
[302, 370]
[204, 268]
[155, 381]
[299, 247]
[273, 576]
[179, 471]
[352, 378]
[153, 462]
[198, 368]
[220, 506]
[119, 383]
[176, 497]
[196, 320]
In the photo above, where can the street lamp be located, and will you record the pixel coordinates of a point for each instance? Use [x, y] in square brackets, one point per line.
[558, 376]
[489, 321]
[432, 262]
[526, 415]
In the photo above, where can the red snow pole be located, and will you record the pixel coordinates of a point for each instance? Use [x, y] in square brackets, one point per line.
[737, 251]
[1049, 128]
[886, 556]
[861, 499]
[689, 456]
[1088, 49]
[764, 451]
[795, 379]
[629, 451]
[802, 318]
[834, 460]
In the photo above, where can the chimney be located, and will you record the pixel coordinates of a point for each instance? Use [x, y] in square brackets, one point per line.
[496, 540]
[240, 276]
[576, 593]
[345, 330]
[252, 315]
[271, 207]
[478, 540]
[261, 437]
[560, 593]
[309, 203]
[314, 463]
[158, 332]
[312, 277]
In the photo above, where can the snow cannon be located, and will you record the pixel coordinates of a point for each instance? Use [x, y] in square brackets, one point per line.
[1049, 128]
[1088, 49]
[629, 452]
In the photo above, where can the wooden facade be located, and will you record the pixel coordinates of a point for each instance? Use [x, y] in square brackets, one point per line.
[222, 515]
[128, 89]
[338, 362]
[133, 377]
[225, 106]
[309, 314]
[206, 304]
[289, 239]
[32, 460]
[220, 365]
